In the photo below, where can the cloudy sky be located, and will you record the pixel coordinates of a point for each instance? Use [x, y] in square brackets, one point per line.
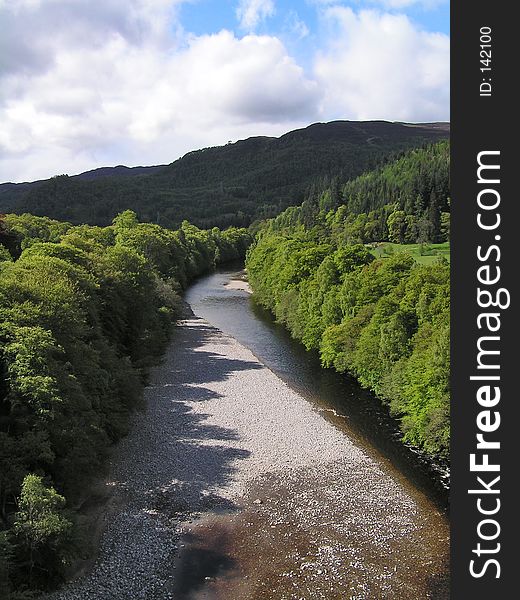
[88, 83]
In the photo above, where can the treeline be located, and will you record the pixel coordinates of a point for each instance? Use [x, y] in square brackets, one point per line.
[385, 321]
[417, 179]
[84, 311]
[404, 201]
[231, 185]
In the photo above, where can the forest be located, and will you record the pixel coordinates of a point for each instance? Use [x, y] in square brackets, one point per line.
[405, 200]
[383, 320]
[231, 185]
[84, 312]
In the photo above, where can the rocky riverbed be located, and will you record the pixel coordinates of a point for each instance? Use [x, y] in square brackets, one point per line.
[231, 486]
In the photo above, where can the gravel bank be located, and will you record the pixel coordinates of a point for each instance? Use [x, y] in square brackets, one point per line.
[238, 284]
[229, 469]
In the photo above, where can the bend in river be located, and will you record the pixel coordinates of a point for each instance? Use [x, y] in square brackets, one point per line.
[233, 486]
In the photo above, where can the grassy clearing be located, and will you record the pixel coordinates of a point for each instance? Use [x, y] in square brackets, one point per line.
[425, 254]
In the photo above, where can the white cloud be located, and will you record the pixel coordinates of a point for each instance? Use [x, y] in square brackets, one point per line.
[117, 87]
[33, 33]
[251, 13]
[296, 26]
[402, 4]
[380, 66]
[85, 84]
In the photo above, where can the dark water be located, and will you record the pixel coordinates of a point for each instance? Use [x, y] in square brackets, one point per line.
[351, 408]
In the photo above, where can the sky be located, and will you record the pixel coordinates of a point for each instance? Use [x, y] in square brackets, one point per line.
[90, 83]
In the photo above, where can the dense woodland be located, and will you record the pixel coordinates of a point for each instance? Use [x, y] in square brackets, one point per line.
[385, 321]
[231, 185]
[84, 311]
[403, 201]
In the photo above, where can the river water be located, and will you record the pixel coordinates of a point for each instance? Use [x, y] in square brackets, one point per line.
[352, 410]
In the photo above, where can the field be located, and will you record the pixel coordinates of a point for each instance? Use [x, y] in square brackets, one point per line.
[424, 254]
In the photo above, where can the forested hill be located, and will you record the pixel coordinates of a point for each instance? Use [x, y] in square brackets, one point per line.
[406, 200]
[321, 269]
[233, 184]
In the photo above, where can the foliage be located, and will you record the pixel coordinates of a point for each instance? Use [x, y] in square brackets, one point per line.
[84, 311]
[370, 309]
[40, 524]
[403, 201]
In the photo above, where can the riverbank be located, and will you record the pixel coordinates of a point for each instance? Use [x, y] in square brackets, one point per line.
[230, 486]
[429, 471]
[239, 284]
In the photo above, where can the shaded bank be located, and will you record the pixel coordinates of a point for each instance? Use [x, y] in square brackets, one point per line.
[233, 486]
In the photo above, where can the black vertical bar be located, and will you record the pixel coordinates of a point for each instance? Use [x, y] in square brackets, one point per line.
[482, 123]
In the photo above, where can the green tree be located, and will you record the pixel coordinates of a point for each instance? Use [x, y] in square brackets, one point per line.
[4, 254]
[125, 220]
[397, 226]
[40, 524]
[84, 311]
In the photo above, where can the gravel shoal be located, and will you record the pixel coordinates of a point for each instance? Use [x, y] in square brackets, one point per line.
[223, 438]
[238, 284]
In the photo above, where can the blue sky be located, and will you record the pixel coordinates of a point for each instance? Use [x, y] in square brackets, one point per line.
[104, 82]
[292, 18]
[209, 16]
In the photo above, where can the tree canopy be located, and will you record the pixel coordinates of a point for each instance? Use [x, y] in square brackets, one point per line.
[384, 320]
[84, 311]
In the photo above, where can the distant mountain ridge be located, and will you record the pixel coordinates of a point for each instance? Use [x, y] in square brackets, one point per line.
[119, 171]
[225, 185]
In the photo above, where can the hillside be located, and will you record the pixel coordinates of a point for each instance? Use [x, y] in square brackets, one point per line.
[378, 311]
[233, 184]
[405, 200]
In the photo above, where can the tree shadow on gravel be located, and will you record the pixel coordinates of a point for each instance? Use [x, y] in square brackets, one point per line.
[193, 366]
[198, 457]
[176, 462]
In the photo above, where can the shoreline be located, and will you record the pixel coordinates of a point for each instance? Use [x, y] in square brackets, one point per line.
[437, 468]
[220, 432]
[239, 284]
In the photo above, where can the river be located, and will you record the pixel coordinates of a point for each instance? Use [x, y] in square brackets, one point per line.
[351, 409]
[339, 397]
[251, 473]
